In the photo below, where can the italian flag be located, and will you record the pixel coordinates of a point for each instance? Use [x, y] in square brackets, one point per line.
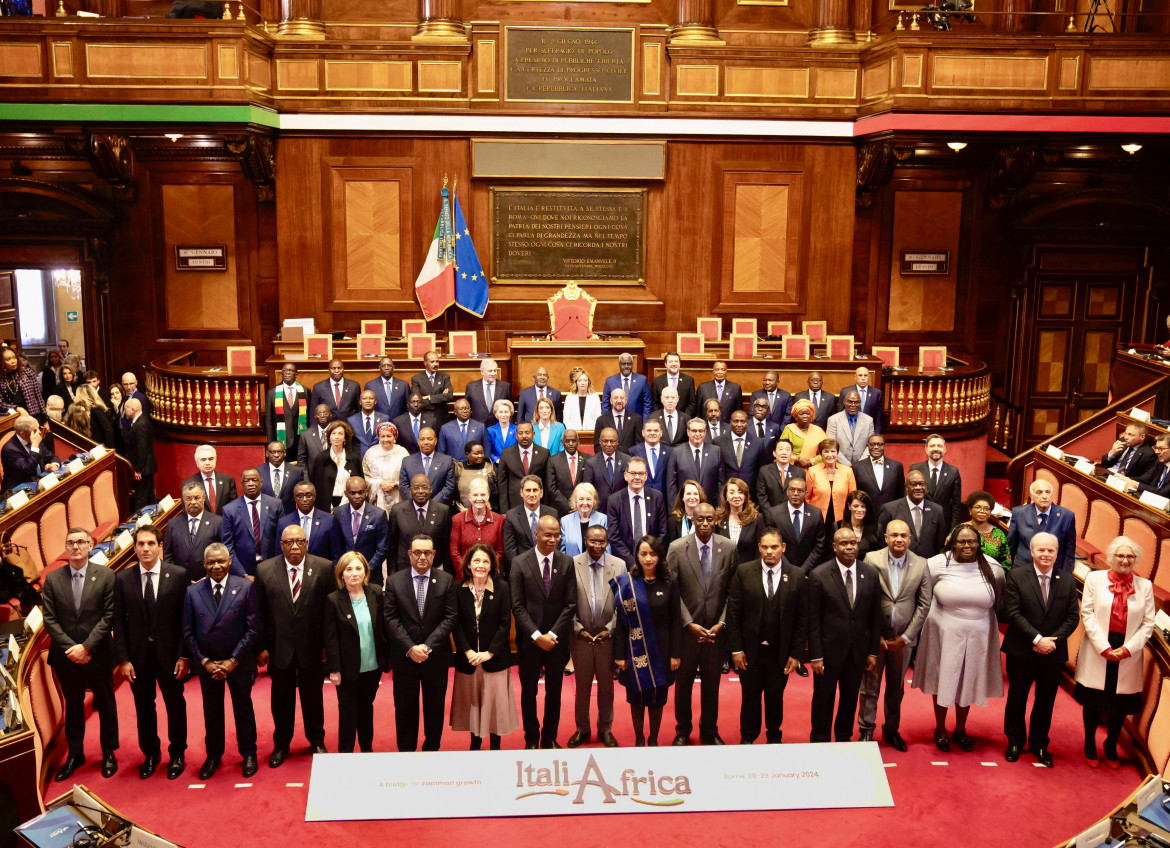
[435, 285]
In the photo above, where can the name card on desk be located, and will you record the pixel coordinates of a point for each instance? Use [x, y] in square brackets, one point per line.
[1139, 414]
[166, 503]
[1095, 836]
[75, 466]
[1082, 569]
[33, 620]
[1161, 620]
[99, 559]
[1116, 481]
[18, 500]
[13, 650]
[1156, 501]
[1084, 466]
[123, 541]
[147, 518]
[1054, 452]
[48, 481]
[98, 451]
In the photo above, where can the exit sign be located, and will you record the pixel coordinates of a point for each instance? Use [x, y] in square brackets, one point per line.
[71, 317]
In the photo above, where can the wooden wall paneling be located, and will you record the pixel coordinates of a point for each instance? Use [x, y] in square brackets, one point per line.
[21, 59]
[197, 301]
[761, 237]
[299, 221]
[925, 220]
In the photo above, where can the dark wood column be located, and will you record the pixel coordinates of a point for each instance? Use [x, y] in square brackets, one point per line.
[440, 20]
[301, 19]
[834, 23]
[696, 23]
[1015, 17]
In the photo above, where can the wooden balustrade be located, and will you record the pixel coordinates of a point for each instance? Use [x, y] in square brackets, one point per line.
[944, 401]
[189, 398]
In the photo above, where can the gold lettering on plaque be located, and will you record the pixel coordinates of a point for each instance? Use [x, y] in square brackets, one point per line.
[569, 65]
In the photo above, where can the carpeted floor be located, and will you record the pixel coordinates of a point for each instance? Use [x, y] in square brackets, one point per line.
[974, 799]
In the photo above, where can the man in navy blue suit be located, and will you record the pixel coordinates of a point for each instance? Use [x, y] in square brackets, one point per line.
[1042, 516]
[634, 512]
[635, 386]
[719, 388]
[871, 398]
[336, 392]
[278, 477]
[366, 421]
[778, 401]
[390, 392]
[249, 525]
[317, 524]
[455, 434]
[21, 457]
[188, 535]
[606, 470]
[360, 526]
[738, 456]
[683, 465]
[221, 624]
[825, 402]
[438, 467]
[526, 408]
[761, 428]
[656, 454]
[1157, 478]
[483, 393]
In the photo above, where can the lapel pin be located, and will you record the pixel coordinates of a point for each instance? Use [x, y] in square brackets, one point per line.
[433, 580]
[347, 615]
[784, 579]
[234, 591]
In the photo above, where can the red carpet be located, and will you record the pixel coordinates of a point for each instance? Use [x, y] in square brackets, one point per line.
[982, 805]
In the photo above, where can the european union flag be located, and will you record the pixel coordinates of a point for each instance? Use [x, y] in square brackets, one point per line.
[471, 285]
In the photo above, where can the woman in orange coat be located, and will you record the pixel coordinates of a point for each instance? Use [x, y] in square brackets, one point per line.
[829, 483]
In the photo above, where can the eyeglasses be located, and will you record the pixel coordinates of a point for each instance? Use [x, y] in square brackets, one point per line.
[1125, 556]
[422, 554]
[294, 541]
[81, 543]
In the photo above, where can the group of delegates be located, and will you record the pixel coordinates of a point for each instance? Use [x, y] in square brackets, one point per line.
[649, 563]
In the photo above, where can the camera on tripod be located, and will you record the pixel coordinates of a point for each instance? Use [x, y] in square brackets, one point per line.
[939, 15]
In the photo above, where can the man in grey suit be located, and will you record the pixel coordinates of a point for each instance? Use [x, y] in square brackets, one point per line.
[703, 563]
[594, 617]
[926, 520]
[905, 600]
[78, 606]
[852, 429]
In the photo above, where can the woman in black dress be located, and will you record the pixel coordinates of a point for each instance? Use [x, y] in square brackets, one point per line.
[332, 467]
[648, 640]
[739, 520]
[861, 517]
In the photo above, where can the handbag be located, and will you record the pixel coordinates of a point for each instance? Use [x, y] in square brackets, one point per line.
[18, 556]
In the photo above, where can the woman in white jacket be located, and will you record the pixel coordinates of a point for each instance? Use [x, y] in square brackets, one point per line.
[1117, 609]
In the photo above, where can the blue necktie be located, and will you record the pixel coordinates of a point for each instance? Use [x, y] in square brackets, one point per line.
[532, 524]
[389, 387]
[427, 466]
[463, 430]
[416, 430]
[653, 461]
[705, 562]
[796, 522]
[1162, 479]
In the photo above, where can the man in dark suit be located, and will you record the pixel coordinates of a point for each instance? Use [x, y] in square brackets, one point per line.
[336, 392]
[277, 477]
[434, 387]
[772, 481]
[634, 386]
[739, 457]
[189, 534]
[606, 470]
[517, 462]
[627, 424]
[130, 391]
[219, 489]
[285, 425]
[801, 527]
[483, 393]
[420, 514]
[456, 433]
[149, 649]
[290, 593]
[1157, 478]
[880, 477]
[221, 624]
[312, 440]
[766, 624]
[544, 593]
[249, 525]
[728, 394]
[359, 525]
[78, 608]
[713, 416]
[760, 428]
[696, 460]
[1130, 456]
[389, 391]
[564, 471]
[672, 419]
[1042, 609]
[21, 457]
[683, 385]
[1041, 515]
[944, 485]
[436, 467]
[777, 401]
[526, 407]
[366, 421]
[420, 612]
[316, 524]
[825, 402]
[844, 634]
[655, 453]
[928, 527]
[871, 398]
[634, 512]
[521, 520]
[703, 564]
[412, 422]
[139, 451]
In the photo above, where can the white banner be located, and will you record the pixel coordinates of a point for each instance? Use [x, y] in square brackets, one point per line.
[349, 787]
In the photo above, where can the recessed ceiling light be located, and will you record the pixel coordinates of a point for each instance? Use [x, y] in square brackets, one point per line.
[956, 145]
[1131, 148]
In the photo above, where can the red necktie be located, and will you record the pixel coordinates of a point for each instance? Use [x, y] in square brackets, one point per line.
[209, 485]
[573, 468]
[524, 459]
[337, 395]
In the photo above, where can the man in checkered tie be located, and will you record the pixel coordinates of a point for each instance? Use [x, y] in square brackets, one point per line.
[292, 642]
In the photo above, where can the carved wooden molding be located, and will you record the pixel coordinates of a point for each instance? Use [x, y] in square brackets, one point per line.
[1013, 168]
[256, 154]
[876, 161]
[111, 158]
